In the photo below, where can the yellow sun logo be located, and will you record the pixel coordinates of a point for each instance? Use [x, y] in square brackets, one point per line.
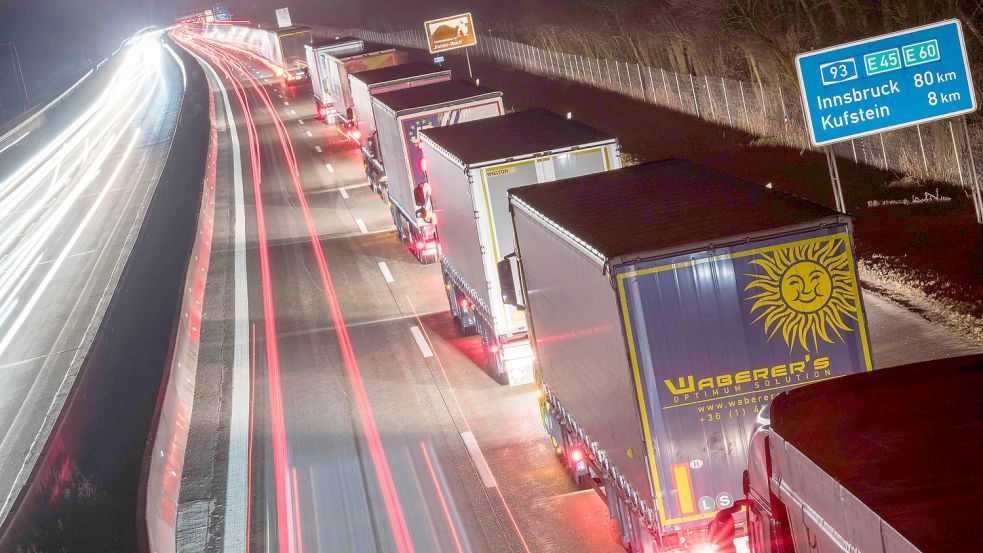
[806, 291]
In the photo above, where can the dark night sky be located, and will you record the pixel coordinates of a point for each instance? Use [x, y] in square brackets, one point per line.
[56, 38]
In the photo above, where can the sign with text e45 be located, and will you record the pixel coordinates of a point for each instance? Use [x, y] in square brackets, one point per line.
[885, 82]
[449, 33]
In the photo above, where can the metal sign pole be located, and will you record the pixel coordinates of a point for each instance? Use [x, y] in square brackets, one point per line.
[468, 57]
[834, 177]
[974, 179]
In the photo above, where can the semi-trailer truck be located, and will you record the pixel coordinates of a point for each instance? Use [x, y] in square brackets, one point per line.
[364, 85]
[318, 63]
[886, 462]
[335, 88]
[470, 174]
[282, 48]
[667, 303]
[291, 42]
[400, 115]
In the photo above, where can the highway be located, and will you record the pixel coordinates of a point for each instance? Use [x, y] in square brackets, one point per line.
[73, 197]
[357, 419]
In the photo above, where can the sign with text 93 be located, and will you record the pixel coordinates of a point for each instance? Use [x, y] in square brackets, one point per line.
[885, 82]
[450, 33]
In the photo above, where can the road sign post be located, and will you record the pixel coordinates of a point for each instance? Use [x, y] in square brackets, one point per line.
[884, 83]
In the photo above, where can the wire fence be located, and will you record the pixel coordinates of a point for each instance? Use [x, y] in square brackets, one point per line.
[937, 151]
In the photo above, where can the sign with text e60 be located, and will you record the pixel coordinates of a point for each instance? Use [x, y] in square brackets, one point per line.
[885, 82]
[450, 33]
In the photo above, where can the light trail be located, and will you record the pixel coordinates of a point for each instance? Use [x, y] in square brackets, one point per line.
[49, 204]
[401, 535]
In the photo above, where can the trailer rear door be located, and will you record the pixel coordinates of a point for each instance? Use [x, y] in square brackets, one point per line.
[713, 336]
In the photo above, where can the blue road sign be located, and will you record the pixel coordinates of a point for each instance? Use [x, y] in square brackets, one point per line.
[885, 82]
[438, 59]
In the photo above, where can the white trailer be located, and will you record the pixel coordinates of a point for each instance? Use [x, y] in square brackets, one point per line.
[318, 62]
[365, 84]
[471, 168]
[399, 117]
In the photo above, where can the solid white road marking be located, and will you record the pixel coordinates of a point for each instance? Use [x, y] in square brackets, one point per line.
[361, 226]
[236, 480]
[424, 347]
[318, 149]
[344, 193]
[310, 134]
[478, 458]
[330, 167]
[386, 274]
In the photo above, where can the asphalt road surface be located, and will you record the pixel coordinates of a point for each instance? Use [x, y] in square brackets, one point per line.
[73, 197]
[357, 418]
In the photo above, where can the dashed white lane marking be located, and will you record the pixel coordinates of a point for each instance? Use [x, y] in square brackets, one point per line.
[293, 112]
[361, 226]
[318, 149]
[310, 134]
[478, 458]
[344, 193]
[386, 274]
[301, 121]
[330, 167]
[286, 103]
[427, 352]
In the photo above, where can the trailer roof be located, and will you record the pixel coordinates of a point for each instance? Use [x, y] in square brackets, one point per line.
[292, 29]
[397, 72]
[662, 205]
[528, 132]
[438, 93]
[906, 441]
[336, 41]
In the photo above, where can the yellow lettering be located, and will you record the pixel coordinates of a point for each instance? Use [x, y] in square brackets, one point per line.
[724, 380]
[704, 383]
[821, 363]
[743, 376]
[797, 367]
[760, 373]
[779, 370]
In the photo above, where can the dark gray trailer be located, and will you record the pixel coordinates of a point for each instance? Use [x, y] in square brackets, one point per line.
[887, 462]
[364, 85]
[667, 303]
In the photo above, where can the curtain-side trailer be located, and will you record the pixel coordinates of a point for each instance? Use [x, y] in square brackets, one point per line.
[470, 170]
[318, 61]
[282, 48]
[886, 462]
[399, 117]
[667, 303]
[338, 86]
[365, 84]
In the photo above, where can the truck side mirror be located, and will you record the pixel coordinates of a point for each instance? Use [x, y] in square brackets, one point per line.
[506, 277]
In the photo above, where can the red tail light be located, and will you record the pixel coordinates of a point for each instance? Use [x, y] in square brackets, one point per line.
[465, 304]
[495, 349]
[423, 164]
[420, 245]
[577, 456]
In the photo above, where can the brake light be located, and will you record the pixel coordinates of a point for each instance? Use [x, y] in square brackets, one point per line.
[419, 245]
[465, 304]
[577, 456]
[495, 349]
[357, 135]
[423, 164]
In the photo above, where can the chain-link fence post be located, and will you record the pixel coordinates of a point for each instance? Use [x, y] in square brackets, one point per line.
[696, 103]
[921, 146]
[713, 108]
[955, 149]
[883, 150]
[723, 85]
[747, 117]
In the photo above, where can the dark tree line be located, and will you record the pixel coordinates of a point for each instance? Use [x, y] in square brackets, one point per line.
[745, 39]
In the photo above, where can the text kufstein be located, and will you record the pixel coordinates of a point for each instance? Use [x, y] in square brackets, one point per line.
[858, 115]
